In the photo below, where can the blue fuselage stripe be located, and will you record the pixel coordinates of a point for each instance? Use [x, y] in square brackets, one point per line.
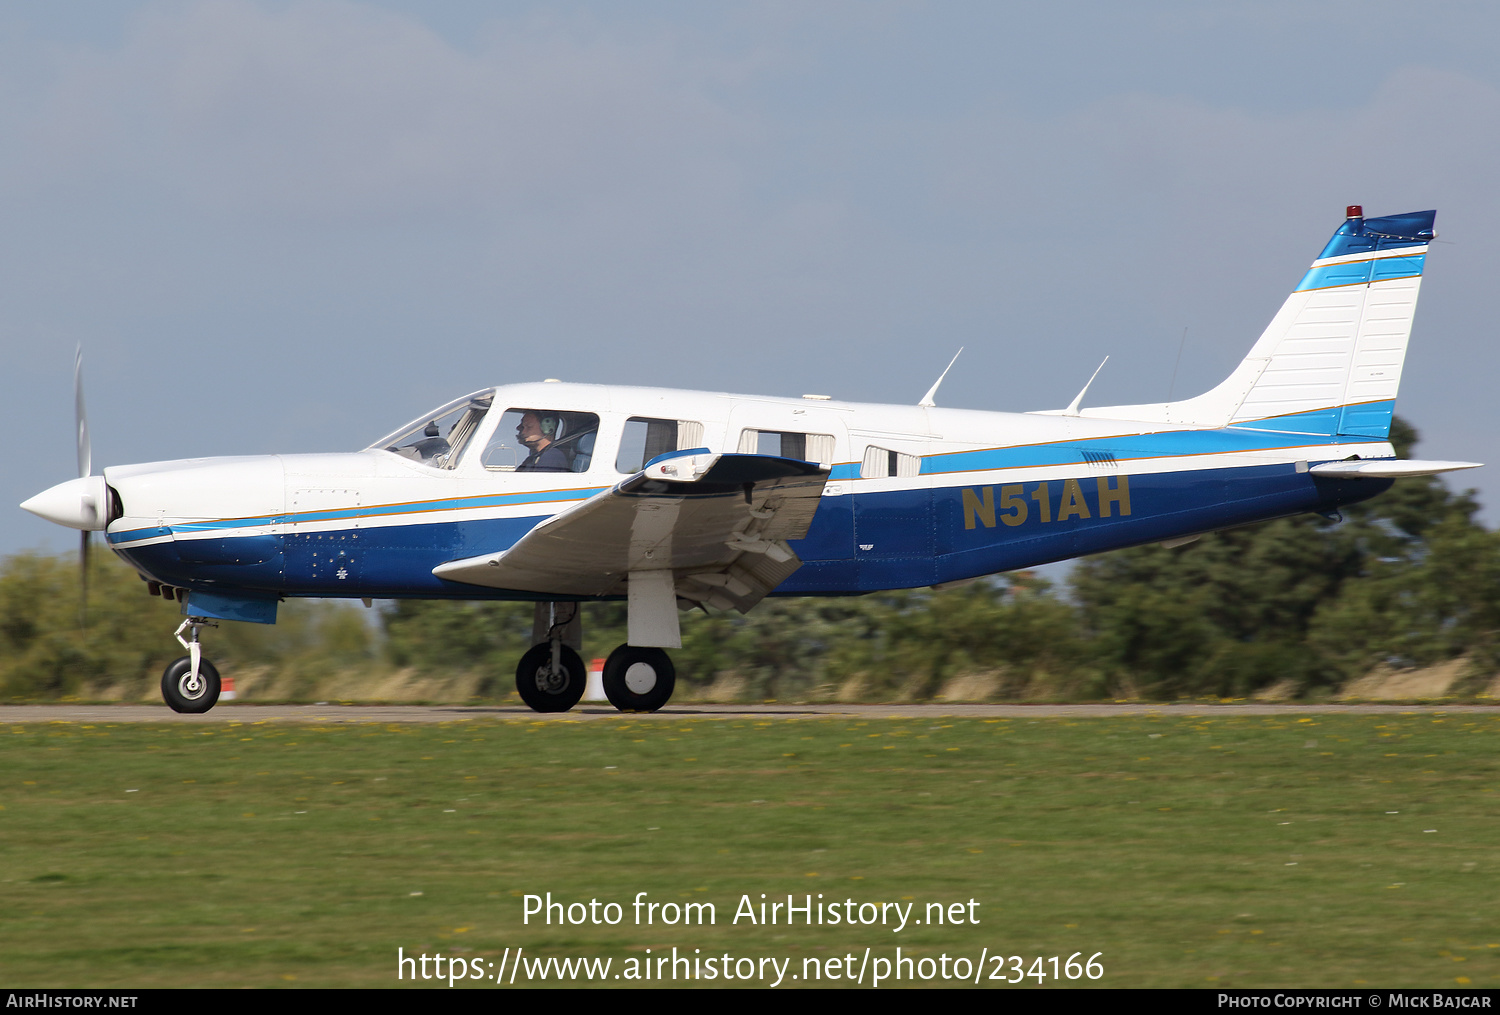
[859, 542]
[1249, 436]
[382, 511]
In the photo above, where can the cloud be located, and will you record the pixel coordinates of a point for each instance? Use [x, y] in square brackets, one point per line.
[772, 202]
[337, 112]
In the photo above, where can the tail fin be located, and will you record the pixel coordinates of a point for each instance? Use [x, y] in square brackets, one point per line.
[1330, 361]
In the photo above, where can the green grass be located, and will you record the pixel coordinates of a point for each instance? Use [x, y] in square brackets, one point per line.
[1242, 852]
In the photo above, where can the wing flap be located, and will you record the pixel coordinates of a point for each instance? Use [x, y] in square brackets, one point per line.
[720, 523]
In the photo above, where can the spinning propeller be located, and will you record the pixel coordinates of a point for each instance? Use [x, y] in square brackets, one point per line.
[85, 470]
[81, 503]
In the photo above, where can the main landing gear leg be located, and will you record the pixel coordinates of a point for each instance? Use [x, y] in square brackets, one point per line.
[551, 676]
[639, 676]
[191, 684]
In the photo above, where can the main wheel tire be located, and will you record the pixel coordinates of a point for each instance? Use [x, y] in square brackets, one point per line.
[545, 691]
[182, 698]
[638, 679]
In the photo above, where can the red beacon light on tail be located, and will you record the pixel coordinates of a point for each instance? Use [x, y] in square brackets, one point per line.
[1354, 211]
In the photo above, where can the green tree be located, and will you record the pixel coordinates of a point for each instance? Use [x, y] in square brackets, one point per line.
[1434, 599]
[127, 641]
[435, 635]
[1304, 599]
[44, 649]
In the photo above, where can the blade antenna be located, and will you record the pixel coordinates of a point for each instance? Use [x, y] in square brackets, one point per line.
[927, 402]
[1072, 409]
[1176, 363]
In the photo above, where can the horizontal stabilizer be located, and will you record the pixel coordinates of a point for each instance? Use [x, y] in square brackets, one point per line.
[1388, 468]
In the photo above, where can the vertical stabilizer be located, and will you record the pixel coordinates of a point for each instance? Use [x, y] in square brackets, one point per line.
[1330, 361]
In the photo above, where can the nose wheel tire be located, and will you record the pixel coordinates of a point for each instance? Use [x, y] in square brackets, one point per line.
[544, 689]
[182, 693]
[638, 679]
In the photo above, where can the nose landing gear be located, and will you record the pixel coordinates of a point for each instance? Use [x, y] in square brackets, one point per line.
[551, 676]
[191, 683]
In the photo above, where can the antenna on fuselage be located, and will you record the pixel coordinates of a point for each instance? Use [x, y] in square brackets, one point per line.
[1072, 409]
[927, 402]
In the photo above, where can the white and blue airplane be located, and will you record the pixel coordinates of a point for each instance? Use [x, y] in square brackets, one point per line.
[561, 494]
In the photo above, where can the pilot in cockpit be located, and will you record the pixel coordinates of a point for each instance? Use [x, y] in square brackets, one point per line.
[538, 432]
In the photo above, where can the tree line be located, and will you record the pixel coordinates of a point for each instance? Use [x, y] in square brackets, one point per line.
[1406, 579]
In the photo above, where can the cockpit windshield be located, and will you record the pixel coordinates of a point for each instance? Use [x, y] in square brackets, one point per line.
[437, 439]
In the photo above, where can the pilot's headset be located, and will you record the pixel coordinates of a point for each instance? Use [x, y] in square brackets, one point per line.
[548, 425]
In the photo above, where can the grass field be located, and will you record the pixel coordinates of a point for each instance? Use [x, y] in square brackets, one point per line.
[1251, 851]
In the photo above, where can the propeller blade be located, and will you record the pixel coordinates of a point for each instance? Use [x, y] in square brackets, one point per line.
[85, 452]
[83, 578]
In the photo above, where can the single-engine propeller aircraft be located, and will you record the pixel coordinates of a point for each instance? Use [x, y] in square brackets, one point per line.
[562, 494]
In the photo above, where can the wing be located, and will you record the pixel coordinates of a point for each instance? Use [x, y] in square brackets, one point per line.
[719, 523]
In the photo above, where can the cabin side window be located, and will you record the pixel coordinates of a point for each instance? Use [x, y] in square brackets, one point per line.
[646, 438]
[882, 463]
[806, 447]
[542, 440]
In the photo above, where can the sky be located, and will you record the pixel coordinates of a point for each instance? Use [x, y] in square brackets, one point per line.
[292, 226]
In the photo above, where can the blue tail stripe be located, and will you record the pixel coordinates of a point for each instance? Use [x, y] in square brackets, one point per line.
[1360, 272]
[1370, 420]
